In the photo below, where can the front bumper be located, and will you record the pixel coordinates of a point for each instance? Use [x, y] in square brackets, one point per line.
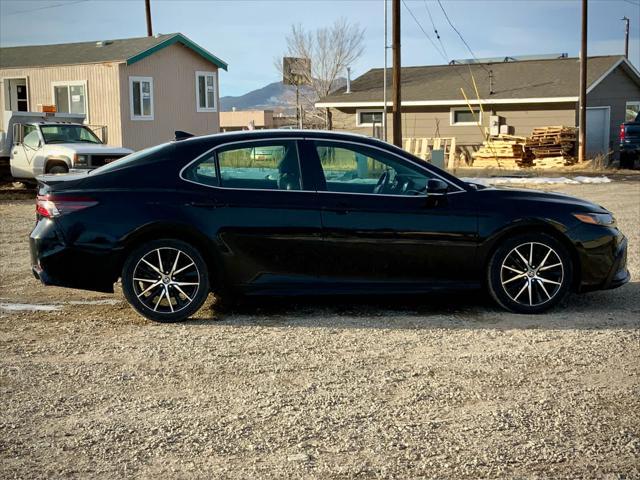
[619, 274]
[602, 253]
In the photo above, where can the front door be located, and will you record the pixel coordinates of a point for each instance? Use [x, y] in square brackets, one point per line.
[380, 223]
[263, 217]
[22, 154]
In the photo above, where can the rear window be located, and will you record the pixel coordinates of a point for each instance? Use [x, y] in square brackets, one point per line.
[633, 130]
[142, 156]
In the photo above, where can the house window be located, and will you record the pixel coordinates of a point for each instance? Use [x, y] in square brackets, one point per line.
[367, 118]
[70, 97]
[633, 108]
[465, 116]
[141, 98]
[205, 91]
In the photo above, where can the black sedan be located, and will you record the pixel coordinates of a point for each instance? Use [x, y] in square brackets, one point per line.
[307, 212]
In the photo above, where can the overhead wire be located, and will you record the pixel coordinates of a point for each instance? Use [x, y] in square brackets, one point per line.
[46, 7]
[435, 29]
[442, 54]
[461, 37]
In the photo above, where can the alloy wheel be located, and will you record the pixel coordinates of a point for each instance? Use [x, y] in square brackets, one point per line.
[532, 274]
[166, 280]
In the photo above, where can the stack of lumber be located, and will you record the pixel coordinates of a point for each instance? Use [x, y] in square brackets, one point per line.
[552, 146]
[503, 152]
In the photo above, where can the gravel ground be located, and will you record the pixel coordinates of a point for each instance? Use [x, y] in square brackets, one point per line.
[401, 387]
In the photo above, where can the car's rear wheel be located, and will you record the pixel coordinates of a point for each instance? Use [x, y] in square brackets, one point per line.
[530, 273]
[165, 280]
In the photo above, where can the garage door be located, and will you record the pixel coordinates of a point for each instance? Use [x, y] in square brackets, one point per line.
[597, 130]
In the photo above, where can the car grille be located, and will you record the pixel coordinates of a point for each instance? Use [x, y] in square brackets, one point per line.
[99, 160]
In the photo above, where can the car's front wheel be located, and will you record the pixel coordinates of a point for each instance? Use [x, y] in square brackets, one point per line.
[165, 280]
[530, 273]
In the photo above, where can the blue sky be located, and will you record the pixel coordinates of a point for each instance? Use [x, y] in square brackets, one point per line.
[249, 35]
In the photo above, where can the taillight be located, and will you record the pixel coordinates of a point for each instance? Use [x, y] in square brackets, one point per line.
[622, 133]
[50, 206]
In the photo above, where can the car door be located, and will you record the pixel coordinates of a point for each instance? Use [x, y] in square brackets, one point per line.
[261, 213]
[23, 153]
[381, 225]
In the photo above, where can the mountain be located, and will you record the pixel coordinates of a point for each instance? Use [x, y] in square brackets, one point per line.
[274, 96]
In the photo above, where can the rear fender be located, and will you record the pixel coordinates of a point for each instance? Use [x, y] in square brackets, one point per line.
[179, 231]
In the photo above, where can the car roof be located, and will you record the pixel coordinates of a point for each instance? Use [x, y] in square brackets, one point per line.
[227, 137]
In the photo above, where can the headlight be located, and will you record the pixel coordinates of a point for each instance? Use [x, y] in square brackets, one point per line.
[596, 218]
[81, 160]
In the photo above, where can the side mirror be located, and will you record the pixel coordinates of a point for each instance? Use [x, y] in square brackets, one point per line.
[435, 185]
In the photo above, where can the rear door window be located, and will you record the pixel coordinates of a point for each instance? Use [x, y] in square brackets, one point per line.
[269, 165]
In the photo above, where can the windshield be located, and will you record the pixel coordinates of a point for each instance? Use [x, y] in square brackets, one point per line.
[62, 133]
[140, 156]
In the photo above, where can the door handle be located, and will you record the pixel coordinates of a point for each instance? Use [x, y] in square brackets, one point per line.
[204, 204]
[341, 208]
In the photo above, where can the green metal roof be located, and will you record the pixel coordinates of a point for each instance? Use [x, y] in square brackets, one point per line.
[128, 50]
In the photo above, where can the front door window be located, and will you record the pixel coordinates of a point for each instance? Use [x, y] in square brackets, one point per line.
[358, 169]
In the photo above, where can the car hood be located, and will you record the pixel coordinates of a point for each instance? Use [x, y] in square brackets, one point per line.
[517, 196]
[89, 148]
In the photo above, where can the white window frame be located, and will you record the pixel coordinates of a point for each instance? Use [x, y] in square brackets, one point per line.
[151, 92]
[626, 106]
[213, 108]
[367, 110]
[4, 92]
[452, 117]
[72, 83]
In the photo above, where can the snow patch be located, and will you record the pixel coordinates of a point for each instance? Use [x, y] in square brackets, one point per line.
[106, 301]
[536, 180]
[27, 307]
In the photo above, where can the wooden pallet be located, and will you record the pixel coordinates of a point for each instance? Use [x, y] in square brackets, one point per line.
[554, 162]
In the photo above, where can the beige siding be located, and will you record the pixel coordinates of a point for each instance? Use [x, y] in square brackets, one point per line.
[614, 91]
[174, 97]
[103, 91]
[436, 121]
[544, 115]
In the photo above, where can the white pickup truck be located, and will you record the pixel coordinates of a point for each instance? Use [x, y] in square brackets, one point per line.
[37, 144]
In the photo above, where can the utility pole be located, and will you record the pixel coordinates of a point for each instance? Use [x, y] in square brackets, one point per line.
[625, 19]
[147, 6]
[582, 106]
[384, 77]
[397, 96]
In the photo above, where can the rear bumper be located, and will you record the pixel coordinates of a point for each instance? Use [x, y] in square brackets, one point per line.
[56, 263]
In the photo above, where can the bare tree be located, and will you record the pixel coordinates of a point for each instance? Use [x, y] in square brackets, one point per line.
[330, 50]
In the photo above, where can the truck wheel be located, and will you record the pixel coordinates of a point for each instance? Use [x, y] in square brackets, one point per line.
[58, 168]
[626, 160]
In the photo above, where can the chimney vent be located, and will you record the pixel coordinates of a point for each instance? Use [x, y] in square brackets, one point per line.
[348, 80]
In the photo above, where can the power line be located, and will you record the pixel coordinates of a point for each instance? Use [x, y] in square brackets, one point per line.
[424, 32]
[633, 3]
[461, 37]
[435, 30]
[44, 8]
[446, 59]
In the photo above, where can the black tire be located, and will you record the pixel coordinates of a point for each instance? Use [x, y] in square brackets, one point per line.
[627, 160]
[527, 287]
[176, 296]
[58, 168]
